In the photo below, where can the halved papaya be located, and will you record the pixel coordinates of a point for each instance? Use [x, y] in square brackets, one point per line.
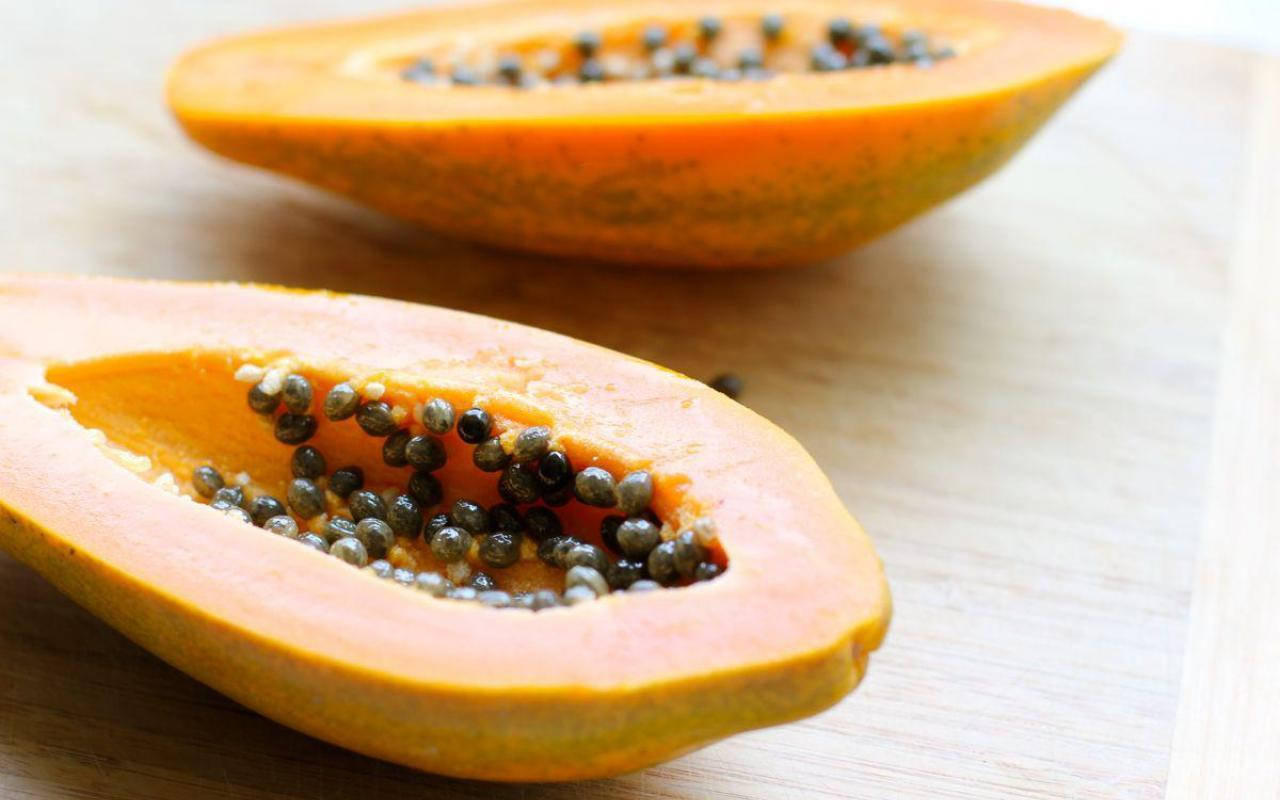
[195, 464]
[791, 161]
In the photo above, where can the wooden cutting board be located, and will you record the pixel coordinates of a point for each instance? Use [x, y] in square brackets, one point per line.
[1015, 394]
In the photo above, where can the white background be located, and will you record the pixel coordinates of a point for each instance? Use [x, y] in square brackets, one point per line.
[1253, 23]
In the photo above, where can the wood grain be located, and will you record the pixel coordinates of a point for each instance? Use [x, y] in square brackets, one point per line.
[1014, 394]
[1228, 732]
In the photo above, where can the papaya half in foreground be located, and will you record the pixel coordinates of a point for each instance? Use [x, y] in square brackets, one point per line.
[456, 543]
[652, 132]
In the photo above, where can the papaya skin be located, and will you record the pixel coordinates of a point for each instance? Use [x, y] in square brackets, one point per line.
[687, 173]
[454, 688]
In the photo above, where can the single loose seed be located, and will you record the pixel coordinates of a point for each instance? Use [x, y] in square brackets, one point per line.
[346, 480]
[295, 428]
[710, 27]
[376, 536]
[349, 550]
[635, 492]
[519, 484]
[404, 577]
[450, 544]
[644, 585]
[623, 573]
[433, 583]
[595, 487]
[542, 523]
[393, 448]
[586, 576]
[437, 416]
[375, 418]
[637, 537]
[587, 555]
[307, 462]
[282, 525]
[263, 401]
[404, 516]
[662, 563]
[314, 542]
[500, 549]
[706, 571]
[206, 480]
[264, 507]
[531, 443]
[296, 394]
[426, 489]
[230, 495]
[336, 528]
[474, 425]
[365, 503]
[341, 402]
[470, 516]
[482, 582]
[305, 498]
[425, 453]
[728, 383]
[578, 594]
[382, 568]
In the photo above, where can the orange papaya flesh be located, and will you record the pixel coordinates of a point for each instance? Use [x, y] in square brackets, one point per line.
[107, 386]
[690, 172]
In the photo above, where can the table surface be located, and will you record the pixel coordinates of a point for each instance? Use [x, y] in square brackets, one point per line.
[1015, 394]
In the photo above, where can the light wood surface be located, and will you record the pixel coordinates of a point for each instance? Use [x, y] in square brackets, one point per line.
[1015, 395]
[1228, 736]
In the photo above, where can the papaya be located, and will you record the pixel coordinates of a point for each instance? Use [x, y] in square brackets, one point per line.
[459, 544]
[646, 132]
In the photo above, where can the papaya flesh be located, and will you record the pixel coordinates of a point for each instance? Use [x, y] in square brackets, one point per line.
[112, 392]
[688, 172]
